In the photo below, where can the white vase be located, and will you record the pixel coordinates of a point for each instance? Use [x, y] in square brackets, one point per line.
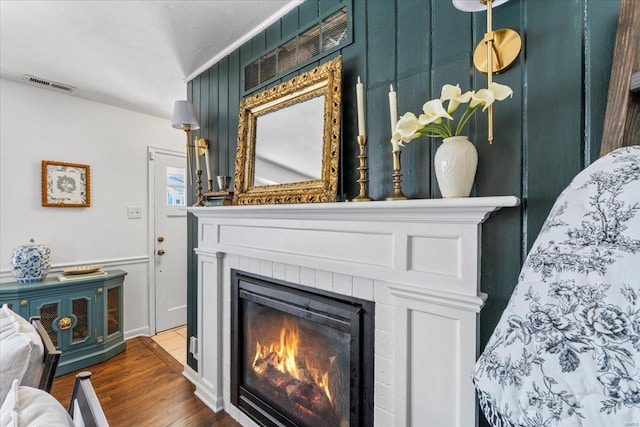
[456, 161]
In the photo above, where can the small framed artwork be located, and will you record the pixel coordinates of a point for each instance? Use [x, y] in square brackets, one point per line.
[65, 185]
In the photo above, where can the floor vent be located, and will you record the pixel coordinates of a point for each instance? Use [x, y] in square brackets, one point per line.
[37, 81]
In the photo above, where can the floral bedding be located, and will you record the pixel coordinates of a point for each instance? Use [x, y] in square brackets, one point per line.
[566, 351]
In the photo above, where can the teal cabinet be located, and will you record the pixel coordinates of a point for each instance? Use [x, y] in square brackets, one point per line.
[83, 317]
[19, 306]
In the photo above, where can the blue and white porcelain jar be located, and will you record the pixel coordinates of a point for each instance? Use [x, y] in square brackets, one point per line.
[31, 262]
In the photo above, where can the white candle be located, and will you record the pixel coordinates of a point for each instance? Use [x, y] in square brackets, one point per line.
[195, 146]
[360, 99]
[393, 108]
[208, 163]
[393, 112]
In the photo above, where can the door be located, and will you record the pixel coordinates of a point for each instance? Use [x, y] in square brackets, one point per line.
[170, 239]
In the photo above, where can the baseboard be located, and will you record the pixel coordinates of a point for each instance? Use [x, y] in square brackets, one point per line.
[142, 331]
[202, 392]
[215, 403]
[190, 374]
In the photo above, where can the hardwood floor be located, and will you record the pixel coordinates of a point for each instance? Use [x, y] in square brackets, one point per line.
[144, 386]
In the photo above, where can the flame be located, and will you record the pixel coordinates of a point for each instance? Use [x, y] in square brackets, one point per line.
[321, 379]
[284, 356]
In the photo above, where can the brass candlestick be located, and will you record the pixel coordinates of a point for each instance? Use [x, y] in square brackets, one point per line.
[210, 185]
[397, 179]
[362, 169]
[198, 188]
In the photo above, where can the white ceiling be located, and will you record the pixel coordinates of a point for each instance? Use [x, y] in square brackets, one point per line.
[134, 54]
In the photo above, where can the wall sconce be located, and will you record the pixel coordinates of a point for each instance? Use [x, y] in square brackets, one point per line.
[497, 49]
[184, 117]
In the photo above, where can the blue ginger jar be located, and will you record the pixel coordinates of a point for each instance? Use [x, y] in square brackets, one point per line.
[31, 262]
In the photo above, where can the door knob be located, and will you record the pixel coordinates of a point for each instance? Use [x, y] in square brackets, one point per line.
[160, 252]
[160, 239]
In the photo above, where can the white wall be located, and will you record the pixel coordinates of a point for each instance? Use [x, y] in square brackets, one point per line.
[39, 124]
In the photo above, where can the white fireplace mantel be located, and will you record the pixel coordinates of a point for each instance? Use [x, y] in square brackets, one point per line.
[418, 260]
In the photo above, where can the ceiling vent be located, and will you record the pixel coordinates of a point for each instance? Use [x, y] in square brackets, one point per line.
[37, 81]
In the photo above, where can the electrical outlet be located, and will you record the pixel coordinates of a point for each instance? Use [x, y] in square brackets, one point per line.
[134, 212]
[193, 347]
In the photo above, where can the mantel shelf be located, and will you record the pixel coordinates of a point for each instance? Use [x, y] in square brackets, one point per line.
[467, 209]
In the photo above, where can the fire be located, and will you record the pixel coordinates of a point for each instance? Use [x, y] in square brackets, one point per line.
[283, 356]
[321, 379]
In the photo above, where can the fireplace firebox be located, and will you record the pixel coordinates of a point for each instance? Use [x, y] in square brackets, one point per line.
[300, 356]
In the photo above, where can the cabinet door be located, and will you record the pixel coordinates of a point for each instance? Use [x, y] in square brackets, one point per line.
[83, 319]
[50, 311]
[113, 310]
[69, 320]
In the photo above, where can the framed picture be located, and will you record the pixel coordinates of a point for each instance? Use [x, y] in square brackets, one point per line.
[65, 185]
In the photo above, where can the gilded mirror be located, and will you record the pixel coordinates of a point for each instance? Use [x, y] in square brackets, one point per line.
[289, 140]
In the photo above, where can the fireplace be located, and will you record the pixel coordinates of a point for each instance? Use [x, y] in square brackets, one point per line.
[417, 260]
[300, 356]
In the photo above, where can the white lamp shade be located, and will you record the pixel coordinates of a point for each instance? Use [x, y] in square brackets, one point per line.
[184, 114]
[475, 5]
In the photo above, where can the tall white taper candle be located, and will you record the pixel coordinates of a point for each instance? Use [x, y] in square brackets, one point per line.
[208, 163]
[195, 147]
[393, 108]
[393, 113]
[360, 100]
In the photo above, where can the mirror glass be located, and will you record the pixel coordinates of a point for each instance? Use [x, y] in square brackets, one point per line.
[289, 140]
[289, 149]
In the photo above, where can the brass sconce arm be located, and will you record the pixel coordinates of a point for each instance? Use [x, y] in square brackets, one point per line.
[496, 51]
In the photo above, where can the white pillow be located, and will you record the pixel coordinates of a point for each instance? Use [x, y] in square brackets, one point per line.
[6, 320]
[27, 406]
[21, 352]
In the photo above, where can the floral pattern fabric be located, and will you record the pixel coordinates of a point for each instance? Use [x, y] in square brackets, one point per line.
[566, 351]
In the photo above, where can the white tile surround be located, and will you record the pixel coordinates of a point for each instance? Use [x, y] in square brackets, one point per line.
[418, 260]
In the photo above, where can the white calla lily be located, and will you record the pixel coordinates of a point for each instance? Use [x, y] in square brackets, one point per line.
[407, 128]
[396, 140]
[434, 112]
[437, 122]
[454, 95]
[500, 92]
[483, 97]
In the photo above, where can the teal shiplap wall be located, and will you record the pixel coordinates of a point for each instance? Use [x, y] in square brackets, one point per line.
[544, 135]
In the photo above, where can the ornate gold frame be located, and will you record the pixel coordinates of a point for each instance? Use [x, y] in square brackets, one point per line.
[325, 79]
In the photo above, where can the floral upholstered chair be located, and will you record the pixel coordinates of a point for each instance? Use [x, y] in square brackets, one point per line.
[566, 351]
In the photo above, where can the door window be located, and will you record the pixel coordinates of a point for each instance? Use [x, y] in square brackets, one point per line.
[176, 191]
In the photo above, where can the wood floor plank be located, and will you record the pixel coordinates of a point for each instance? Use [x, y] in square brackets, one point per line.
[144, 386]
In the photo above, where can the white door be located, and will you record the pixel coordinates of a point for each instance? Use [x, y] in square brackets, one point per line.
[170, 239]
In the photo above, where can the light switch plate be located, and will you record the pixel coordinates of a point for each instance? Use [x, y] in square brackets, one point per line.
[134, 212]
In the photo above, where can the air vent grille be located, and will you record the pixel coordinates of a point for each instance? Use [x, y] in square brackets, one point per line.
[38, 81]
